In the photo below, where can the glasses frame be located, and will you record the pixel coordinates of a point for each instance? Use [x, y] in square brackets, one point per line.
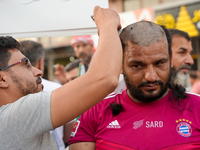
[23, 60]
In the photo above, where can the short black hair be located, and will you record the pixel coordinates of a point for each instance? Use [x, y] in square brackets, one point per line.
[7, 43]
[75, 64]
[176, 32]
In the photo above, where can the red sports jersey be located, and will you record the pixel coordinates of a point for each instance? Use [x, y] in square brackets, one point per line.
[156, 125]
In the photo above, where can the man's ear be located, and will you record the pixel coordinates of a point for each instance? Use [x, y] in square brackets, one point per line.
[3, 82]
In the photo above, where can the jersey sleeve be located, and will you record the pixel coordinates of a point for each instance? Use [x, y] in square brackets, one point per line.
[85, 127]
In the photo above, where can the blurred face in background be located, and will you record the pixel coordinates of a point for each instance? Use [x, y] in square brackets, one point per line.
[83, 51]
[181, 59]
[72, 74]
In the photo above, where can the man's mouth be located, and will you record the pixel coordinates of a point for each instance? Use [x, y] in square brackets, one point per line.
[39, 81]
[185, 70]
[150, 86]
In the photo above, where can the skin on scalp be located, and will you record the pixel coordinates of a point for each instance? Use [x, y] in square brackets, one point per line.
[145, 38]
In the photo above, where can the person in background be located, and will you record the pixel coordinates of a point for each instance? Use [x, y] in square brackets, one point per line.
[181, 56]
[83, 46]
[70, 71]
[153, 113]
[34, 51]
[195, 81]
[27, 114]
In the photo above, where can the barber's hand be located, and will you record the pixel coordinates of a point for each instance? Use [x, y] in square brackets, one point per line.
[104, 17]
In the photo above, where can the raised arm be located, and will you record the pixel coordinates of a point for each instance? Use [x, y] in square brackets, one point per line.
[82, 146]
[77, 96]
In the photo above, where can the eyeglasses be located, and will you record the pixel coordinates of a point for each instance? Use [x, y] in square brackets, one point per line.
[23, 60]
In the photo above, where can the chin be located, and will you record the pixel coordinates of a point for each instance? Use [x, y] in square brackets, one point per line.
[151, 92]
[40, 88]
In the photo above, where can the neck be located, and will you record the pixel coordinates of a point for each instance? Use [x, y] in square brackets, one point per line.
[7, 98]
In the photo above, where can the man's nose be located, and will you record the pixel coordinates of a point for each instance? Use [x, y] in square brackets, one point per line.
[37, 72]
[81, 49]
[189, 60]
[150, 74]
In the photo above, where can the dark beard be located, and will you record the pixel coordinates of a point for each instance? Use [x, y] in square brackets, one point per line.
[32, 88]
[139, 95]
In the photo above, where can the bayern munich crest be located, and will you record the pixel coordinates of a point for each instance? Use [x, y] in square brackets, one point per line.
[184, 129]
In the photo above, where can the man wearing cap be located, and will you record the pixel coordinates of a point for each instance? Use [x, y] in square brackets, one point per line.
[83, 47]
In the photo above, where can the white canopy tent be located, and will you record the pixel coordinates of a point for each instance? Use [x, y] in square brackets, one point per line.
[47, 18]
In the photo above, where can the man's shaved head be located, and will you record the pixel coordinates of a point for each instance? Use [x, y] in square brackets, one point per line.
[143, 34]
[146, 61]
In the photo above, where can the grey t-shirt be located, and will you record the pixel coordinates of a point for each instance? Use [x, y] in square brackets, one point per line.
[25, 124]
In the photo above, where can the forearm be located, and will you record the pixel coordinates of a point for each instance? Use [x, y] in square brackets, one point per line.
[108, 56]
[109, 45]
[82, 146]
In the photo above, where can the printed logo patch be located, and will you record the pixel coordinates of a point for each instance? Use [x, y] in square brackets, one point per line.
[114, 124]
[75, 128]
[138, 124]
[184, 129]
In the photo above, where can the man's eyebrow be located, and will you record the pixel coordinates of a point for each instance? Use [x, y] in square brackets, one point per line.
[136, 62]
[141, 62]
[162, 59]
[182, 48]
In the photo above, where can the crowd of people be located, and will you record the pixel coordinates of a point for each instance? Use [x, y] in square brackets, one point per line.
[138, 91]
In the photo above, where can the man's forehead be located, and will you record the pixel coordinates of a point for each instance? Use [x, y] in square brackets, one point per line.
[79, 43]
[160, 45]
[182, 43]
[135, 52]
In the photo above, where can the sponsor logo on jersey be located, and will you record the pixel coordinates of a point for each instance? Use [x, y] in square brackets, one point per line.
[114, 124]
[184, 129]
[154, 124]
[137, 124]
[75, 128]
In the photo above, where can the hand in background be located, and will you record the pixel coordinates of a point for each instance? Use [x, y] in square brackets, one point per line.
[60, 73]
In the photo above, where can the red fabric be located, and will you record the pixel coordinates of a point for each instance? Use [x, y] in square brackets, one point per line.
[105, 145]
[152, 126]
[187, 146]
[82, 38]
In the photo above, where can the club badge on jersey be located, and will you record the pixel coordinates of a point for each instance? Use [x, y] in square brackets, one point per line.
[184, 128]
